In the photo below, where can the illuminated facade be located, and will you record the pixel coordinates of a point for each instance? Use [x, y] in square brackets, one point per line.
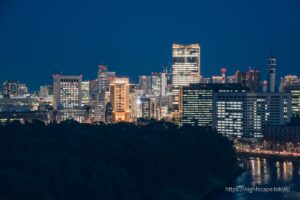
[103, 85]
[247, 114]
[185, 70]
[120, 99]
[271, 73]
[145, 84]
[68, 96]
[149, 108]
[85, 87]
[156, 84]
[197, 102]
[291, 84]
[12, 89]
[46, 91]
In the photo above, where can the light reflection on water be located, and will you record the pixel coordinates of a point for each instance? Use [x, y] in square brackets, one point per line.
[261, 174]
[267, 173]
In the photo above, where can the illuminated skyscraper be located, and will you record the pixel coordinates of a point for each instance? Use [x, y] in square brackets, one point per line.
[67, 91]
[185, 70]
[247, 114]
[291, 84]
[120, 99]
[103, 84]
[197, 101]
[68, 96]
[145, 84]
[85, 93]
[271, 73]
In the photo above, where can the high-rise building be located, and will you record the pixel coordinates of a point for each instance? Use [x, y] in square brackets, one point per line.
[271, 73]
[145, 84]
[120, 99]
[156, 87]
[149, 107]
[155, 84]
[185, 70]
[85, 87]
[197, 101]
[68, 96]
[291, 84]
[103, 85]
[250, 79]
[247, 114]
[136, 106]
[67, 91]
[109, 113]
[12, 89]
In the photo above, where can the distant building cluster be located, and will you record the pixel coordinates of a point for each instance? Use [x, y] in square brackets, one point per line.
[239, 105]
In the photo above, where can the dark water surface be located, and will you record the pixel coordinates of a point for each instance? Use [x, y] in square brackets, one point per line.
[264, 179]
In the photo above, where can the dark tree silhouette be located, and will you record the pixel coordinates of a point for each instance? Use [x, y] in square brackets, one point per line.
[121, 161]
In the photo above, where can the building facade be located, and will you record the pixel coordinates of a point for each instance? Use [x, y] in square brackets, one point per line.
[247, 114]
[68, 96]
[250, 79]
[271, 64]
[197, 102]
[291, 84]
[12, 89]
[185, 70]
[120, 99]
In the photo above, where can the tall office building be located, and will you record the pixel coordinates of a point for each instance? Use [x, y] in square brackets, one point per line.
[271, 73]
[68, 96]
[155, 84]
[103, 85]
[149, 108]
[291, 84]
[145, 84]
[247, 114]
[250, 79]
[135, 97]
[197, 101]
[120, 99]
[185, 70]
[67, 91]
[85, 87]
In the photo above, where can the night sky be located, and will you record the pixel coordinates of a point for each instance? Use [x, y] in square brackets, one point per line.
[41, 37]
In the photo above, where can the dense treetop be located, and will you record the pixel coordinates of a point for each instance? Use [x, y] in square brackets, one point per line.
[112, 162]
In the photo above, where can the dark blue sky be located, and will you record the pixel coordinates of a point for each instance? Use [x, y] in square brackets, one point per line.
[42, 37]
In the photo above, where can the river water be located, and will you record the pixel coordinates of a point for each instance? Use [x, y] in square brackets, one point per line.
[264, 179]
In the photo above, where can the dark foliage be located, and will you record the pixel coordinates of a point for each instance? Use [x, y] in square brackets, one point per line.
[70, 161]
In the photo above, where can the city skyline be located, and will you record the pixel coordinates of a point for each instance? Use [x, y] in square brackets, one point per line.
[132, 100]
[135, 80]
[48, 40]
